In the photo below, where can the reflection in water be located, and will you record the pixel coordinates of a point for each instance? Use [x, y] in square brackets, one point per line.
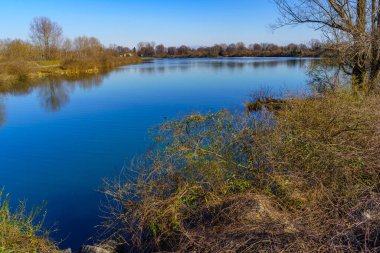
[161, 66]
[95, 132]
[325, 75]
[54, 95]
[2, 112]
[53, 92]
[92, 82]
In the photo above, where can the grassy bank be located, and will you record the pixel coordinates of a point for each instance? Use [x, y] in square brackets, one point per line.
[22, 232]
[302, 177]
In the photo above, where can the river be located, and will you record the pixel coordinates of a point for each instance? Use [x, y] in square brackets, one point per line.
[60, 138]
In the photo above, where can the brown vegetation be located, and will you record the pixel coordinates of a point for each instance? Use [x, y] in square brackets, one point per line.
[304, 178]
[49, 55]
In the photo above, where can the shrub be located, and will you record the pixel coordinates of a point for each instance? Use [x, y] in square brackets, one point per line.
[304, 177]
[21, 232]
[101, 62]
[15, 71]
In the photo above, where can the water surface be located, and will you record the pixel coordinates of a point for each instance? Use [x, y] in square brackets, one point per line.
[59, 139]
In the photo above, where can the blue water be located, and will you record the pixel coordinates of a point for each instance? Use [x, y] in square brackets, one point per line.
[61, 138]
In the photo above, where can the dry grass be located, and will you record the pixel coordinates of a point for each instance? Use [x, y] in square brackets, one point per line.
[304, 178]
[101, 62]
[15, 71]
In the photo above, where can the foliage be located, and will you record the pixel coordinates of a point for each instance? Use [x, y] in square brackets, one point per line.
[21, 232]
[304, 177]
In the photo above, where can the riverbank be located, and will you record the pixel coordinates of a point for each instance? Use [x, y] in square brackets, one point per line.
[106, 118]
[235, 57]
[13, 72]
[303, 176]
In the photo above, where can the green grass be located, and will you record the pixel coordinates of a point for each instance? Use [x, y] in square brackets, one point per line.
[22, 231]
[49, 63]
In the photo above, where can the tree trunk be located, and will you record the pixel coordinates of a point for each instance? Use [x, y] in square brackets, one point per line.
[359, 73]
[359, 76]
[374, 77]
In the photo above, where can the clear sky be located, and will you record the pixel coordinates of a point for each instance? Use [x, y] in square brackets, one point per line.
[171, 22]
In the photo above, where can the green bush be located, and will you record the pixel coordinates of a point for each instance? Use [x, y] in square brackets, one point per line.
[22, 232]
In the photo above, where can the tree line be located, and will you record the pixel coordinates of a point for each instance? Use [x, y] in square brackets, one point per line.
[314, 48]
[48, 47]
[48, 43]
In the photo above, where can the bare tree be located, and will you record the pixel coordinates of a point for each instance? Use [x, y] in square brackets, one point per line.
[46, 34]
[87, 47]
[352, 28]
[146, 49]
[160, 49]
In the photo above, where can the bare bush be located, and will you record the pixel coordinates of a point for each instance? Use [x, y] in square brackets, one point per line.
[304, 178]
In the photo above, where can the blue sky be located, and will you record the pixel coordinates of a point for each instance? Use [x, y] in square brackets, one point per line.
[172, 22]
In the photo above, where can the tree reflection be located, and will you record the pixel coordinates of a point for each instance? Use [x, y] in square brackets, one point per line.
[54, 94]
[91, 81]
[220, 64]
[2, 112]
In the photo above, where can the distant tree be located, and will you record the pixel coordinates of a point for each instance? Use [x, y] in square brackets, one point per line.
[67, 47]
[46, 34]
[315, 44]
[160, 50]
[231, 50]
[172, 51]
[18, 50]
[145, 49]
[87, 46]
[292, 49]
[215, 51]
[117, 50]
[240, 47]
[183, 50]
[257, 47]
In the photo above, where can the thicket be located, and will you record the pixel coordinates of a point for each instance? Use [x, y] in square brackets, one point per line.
[303, 177]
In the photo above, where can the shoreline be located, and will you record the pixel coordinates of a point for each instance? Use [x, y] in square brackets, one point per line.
[40, 71]
[233, 57]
